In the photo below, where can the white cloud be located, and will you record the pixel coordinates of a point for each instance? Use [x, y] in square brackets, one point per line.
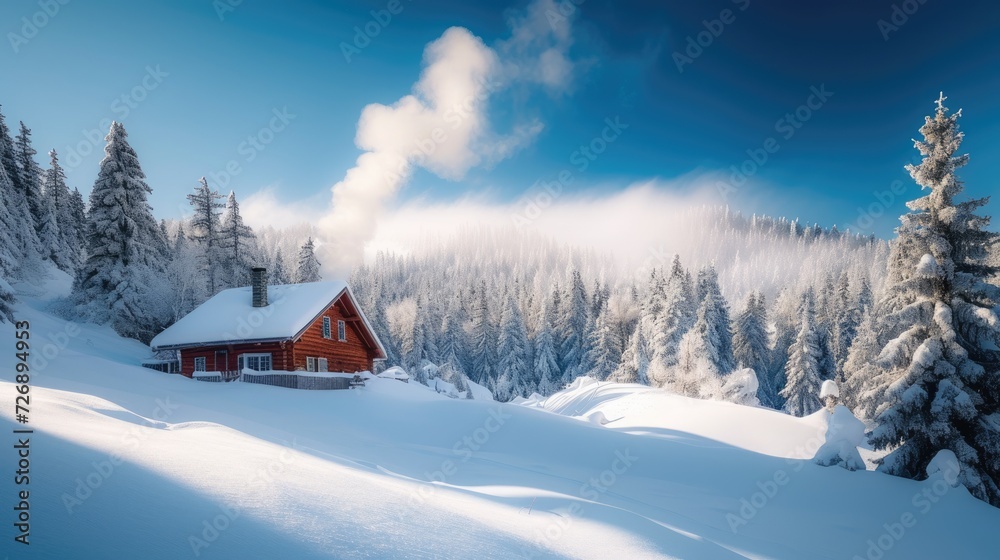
[263, 208]
[443, 126]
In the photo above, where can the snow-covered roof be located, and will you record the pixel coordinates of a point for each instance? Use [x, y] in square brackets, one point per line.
[230, 317]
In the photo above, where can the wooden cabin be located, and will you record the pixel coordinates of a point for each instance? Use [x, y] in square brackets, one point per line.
[313, 327]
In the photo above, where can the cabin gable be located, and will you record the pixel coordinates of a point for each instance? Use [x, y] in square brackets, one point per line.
[350, 355]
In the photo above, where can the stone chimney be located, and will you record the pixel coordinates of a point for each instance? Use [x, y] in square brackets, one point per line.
[258, 283]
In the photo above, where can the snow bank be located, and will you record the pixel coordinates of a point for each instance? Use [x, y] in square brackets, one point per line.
[844, 434]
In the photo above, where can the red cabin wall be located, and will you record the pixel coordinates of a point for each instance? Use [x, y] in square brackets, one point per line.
[280, 356]
[348, 356]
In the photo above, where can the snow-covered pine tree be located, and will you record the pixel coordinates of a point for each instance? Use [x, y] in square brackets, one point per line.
[512, 353]
[634, 364]
[50, 236]
[546, 365]
[942, 384]
[785, 317]
[307, 269]
[68, 255]
[31, 182]
[861, 372]
[483, 339]
[453, 346]
[604, 349]
[826, 319]
[279, 272]
[78, 209]
[25, 246]
[572, 324]
[845, 327]
[8, 260]
[750, 342]
[802, 371]
[123, 281]
[204, 231]
[237, 244]
[712, 323]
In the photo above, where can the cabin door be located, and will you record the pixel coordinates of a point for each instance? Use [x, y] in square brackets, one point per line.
[221, 360]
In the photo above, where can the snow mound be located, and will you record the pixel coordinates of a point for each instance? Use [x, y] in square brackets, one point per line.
[645, 410]
[945, 463]
[844, 434]
[596, 417]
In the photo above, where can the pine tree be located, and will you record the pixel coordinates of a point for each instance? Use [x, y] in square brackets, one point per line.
[845, 328]
[750, 341]
[204, 231]
[78, 209]
[572, 324]
[308, 267]
[802, 371]
[279, 274]
[123, 279]
[8, 260]
[237, 244]
[634, 364]
[189, 288]
[50, 236]
[453, 346]
[31, 179]
[68, 253]
[940, 369]
[546, 364]
[604, 348]
[512, 353]
[712, 324]
[483, 340]
[23, 238]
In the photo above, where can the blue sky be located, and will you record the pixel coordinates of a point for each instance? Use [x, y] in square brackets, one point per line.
[212, 82]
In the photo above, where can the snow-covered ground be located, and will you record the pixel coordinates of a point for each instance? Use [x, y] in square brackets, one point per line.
[131, 463]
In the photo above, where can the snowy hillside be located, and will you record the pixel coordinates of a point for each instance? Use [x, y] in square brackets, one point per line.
[131, 463]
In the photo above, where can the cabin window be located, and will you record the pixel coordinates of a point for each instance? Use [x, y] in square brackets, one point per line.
[311, 363]
[341, 331]
[323, 365]
[326, 328]
[256, 362]
[199, 364]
